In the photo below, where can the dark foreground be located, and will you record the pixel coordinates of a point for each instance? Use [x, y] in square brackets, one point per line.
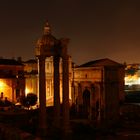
[127, 128]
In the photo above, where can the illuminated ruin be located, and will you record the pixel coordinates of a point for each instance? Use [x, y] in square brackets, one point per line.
[48, 46]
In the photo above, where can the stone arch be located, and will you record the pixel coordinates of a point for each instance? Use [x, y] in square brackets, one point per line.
[86, 102]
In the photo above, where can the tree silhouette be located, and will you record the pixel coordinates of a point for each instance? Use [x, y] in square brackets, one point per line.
[28, 100]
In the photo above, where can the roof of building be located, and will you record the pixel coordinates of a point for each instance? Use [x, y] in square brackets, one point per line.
[101, 62]
[9, 62]
[31, 61]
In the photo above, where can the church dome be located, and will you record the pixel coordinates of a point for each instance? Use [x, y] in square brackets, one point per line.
[47, 39]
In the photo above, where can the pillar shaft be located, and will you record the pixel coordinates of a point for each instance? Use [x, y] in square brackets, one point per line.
[56, 92]
[42, 96]
[65, 93]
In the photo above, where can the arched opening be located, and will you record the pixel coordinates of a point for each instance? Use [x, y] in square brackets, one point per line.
[86, 102]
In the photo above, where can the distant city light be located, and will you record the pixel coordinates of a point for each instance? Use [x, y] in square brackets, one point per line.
[132, 80]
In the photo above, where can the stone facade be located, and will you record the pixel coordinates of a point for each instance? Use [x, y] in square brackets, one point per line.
[103, 84]
[31, 78]
[12, 82]
[99, 89]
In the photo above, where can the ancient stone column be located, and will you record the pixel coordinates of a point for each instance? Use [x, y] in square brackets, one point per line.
[65, 93]
[92, 104]
[42, 96]
[56, 92]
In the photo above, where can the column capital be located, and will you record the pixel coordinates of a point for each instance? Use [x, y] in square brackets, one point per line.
[41, 57]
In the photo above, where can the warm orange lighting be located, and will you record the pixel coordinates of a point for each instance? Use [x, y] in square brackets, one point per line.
[27, 90]
[132, 80]
[2, 85]
[5, 87]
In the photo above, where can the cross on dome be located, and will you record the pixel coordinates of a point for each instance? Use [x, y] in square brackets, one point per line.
[47, 28]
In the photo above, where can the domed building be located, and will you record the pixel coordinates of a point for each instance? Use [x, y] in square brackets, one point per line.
[47, 43]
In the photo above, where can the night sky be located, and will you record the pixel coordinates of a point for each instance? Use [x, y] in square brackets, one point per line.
[97, 28]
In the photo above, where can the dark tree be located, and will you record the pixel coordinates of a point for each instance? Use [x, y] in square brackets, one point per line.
[28, 100]
[32, 98]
